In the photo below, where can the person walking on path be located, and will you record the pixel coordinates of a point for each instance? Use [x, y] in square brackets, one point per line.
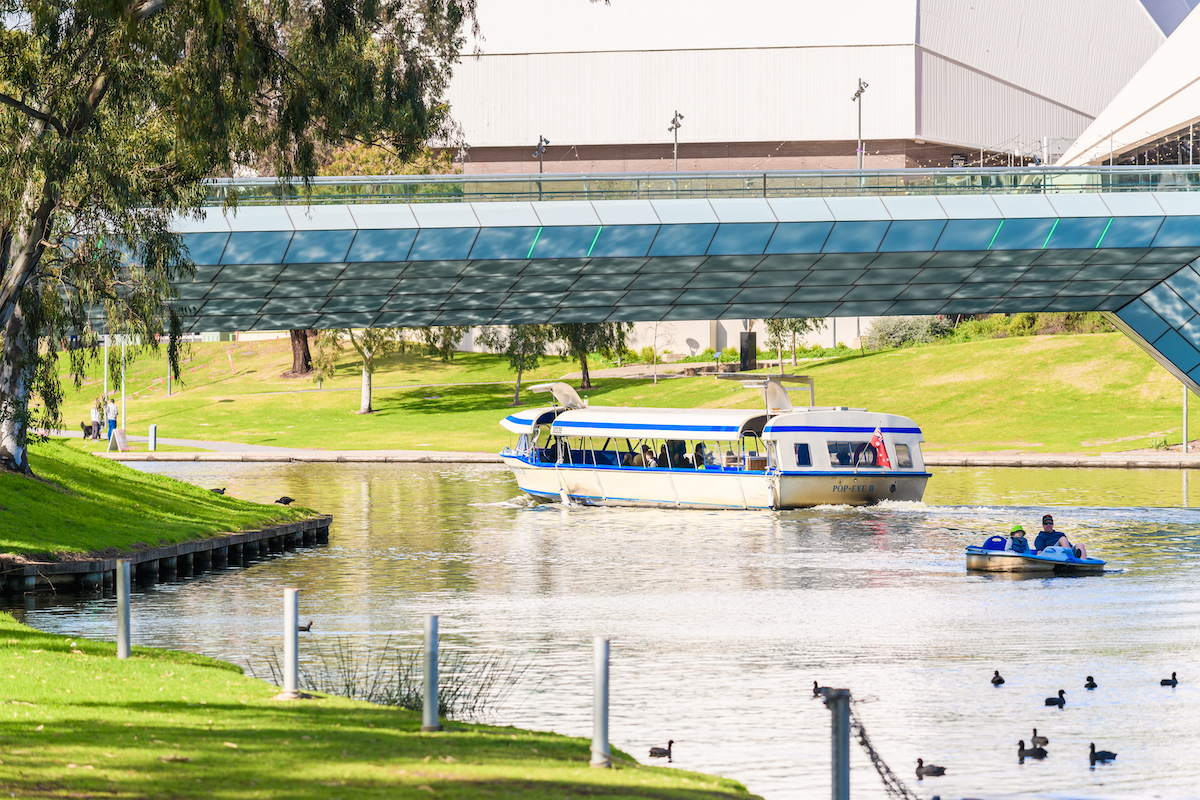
[96, 419]
[1050, 537]
[110, 413]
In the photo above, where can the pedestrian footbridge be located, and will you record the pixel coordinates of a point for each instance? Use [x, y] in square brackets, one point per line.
[474, 250]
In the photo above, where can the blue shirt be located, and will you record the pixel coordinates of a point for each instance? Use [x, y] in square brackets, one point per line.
[1046, 539]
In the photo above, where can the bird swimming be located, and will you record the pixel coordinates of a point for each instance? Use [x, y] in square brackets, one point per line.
[1091, 683]
[1171, 681]
[996, 678]
[218, 491]
[1095, 755]
[662, 752]
[1033, 752]
[816, 690]
[932, 770]
[1059, 701]
[1038, 741]
[306, 628]
[285, 500]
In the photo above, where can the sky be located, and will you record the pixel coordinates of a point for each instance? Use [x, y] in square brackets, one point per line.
[1169, 13]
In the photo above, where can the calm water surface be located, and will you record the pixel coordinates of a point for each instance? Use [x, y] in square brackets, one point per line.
[720, 622]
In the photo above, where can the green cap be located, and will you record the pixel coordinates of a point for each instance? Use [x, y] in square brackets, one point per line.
[1016, 528]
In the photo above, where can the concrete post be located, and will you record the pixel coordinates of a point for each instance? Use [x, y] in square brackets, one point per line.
[291, 645]
[153, 438]
[122, 608]
[838, 703]
[601, 756]
[429, 718]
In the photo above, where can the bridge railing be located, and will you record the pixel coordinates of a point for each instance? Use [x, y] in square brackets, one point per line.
[687, 185]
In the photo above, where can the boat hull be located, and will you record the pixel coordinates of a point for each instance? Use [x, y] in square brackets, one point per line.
[711, 489]
[981, 560]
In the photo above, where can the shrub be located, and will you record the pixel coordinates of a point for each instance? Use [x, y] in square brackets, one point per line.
[900, 331]
[730, 354]
[647, 355]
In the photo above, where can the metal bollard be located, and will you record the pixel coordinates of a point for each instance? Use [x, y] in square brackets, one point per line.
[291, 645]
[153, 444]
[429, 719]
[838, 703]
[122, 608]
[601, 755]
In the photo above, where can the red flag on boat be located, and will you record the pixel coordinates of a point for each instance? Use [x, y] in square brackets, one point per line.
[881, 454]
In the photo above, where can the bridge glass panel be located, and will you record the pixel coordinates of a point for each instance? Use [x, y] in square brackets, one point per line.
[259, 247]
[1178, 350]
[443, 244]
[1191, 331]
[303, 289]
[1022, 234]
[354, 303]
[1168, 305]
[568, 241]
[291, 305]
[1072, 233]
[968, 234]
[911, 235]
[1178, 232]
[584, 314]
[624, 241]
[683, 240]
[684, 312]
[382, 245]
[856, 237]
[1128, 232]
[205, 248]
[499, 243]
[1143, 320]
[799, 237]
[319, 247]
[743, 238]
[1186, 284]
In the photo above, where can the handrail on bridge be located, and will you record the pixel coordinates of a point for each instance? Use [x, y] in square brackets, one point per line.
[691, 185]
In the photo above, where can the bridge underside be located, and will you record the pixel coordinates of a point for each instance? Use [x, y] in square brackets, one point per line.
[401, 265]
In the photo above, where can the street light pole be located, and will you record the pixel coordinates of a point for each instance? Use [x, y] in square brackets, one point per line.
[538, 153]
[862, 87]
[676, 124]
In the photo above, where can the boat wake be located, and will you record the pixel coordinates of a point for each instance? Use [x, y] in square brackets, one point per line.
[520, 501]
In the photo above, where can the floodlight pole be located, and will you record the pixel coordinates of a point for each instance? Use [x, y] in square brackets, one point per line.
[857, 98]
[538, 153]
[676, 124]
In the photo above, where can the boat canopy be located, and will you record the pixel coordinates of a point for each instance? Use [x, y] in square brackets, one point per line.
[526, 420]
[713, 424]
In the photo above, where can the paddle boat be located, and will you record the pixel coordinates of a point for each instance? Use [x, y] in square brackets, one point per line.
[997, 555]
[783, 456]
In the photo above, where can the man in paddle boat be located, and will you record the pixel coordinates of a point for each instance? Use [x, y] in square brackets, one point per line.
[1050, 538]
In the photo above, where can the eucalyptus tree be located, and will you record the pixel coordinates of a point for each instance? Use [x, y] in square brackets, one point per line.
[581, 339]
[112, 114]
[522, 345]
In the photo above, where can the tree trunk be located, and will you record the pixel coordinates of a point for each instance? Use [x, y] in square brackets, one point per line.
[779, 344]
[364, 406]
[793, 348]
[301, 358]
[517, 394]
[16, 376]
[586, 383]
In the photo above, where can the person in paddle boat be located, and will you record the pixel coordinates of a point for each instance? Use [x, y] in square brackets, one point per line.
[1019, 543]
[1050, 538]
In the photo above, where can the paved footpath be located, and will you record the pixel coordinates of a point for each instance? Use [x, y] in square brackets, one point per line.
[235, 451]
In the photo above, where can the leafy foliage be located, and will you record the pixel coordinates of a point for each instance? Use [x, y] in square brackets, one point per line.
[583, 338]
[113, 113]
[522, 345]
[888, 332]
[443, 340]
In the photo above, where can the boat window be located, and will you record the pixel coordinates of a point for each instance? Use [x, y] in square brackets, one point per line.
[848, 455]
[903, 458]
[772, 455]
[803, 456]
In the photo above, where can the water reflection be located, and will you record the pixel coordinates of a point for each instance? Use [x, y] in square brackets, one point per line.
[720, 621]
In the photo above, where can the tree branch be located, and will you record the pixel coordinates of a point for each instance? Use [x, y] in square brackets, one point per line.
[49, 119]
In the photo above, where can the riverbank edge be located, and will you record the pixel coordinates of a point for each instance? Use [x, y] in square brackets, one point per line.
[285, 749]
[22, 574]
[948, 459]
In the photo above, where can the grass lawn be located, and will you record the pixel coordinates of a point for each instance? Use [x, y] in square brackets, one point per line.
[79, 503]
[1091, 393]
[77, 722]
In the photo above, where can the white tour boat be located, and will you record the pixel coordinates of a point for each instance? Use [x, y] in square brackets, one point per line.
[783, 457]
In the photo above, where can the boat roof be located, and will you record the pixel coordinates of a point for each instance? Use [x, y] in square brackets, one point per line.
[659, 423]
[525, 420]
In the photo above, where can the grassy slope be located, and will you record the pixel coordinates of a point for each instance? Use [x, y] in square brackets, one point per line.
[1094, 393]
[80, 503]
[84, 724]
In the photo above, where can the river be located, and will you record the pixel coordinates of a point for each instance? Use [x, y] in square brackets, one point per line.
[721, 621]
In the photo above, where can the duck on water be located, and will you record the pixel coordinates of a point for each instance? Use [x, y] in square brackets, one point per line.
[783, 456]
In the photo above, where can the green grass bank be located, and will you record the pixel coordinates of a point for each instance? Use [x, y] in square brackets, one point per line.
[77, 503]
[77, 722]
[1068, 393]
